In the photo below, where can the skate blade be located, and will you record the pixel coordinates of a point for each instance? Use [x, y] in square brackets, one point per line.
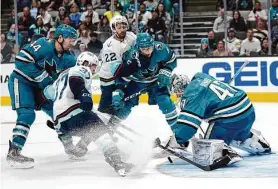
[17, 165]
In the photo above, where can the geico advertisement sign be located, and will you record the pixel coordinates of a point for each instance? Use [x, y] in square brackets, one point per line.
[6, 70]
[259, 75]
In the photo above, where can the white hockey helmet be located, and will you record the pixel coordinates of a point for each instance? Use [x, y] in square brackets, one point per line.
[178, 83]
[118, 20]
[87, 59]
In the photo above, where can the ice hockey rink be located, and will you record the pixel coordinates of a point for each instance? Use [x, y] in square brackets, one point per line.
[54, 170]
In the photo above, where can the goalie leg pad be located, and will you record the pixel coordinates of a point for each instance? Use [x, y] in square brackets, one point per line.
[208, 151]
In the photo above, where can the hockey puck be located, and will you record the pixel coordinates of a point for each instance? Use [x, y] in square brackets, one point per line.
[169, 159]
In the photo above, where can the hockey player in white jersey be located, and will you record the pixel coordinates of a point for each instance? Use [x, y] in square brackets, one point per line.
[73, 114]
[112, 65]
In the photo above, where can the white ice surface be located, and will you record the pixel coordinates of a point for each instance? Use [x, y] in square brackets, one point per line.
[54, 170]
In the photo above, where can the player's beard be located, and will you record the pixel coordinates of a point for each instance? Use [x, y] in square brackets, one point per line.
[121, 35]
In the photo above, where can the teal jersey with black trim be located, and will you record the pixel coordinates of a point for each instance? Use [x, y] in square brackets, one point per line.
[40, 63]
[161, 58]
[206, 98]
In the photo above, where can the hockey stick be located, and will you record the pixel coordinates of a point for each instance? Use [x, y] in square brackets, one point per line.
[218, 163]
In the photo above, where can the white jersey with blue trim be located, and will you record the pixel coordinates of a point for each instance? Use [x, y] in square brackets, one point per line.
[63, 97]
[111, 56]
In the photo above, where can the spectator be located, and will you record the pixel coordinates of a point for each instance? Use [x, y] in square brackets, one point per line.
[264, 50]
[34, 9]
[11, 38]
[143, 16]
[151, 4]
[82, 48]
[231, 4]
[51, 33]
[82, 5]
[273, 11]
[260, 32]
[10, 20]
[245, 5]
[75, 15]
[46, 17]
[218, 25]
[26, 20]
[90, 12]
[156, 27]
[212, 41]
[88, 23]
[23, 3]
[60, 18]
[49, 5]
[238, 22]
[96, 4]
[110, 14]
[67, 5]
[37, 28]
[176, 8]
[250, 45]
[204, 50]
[94, 45]
[163, 14]
[274, 36]
[233, 44]
[104, 26]
[257, 13]
[6, 50]
[67, 21]
[84, 38]
[221, 51]
[129, 7]
[115, 6]
[81, 28]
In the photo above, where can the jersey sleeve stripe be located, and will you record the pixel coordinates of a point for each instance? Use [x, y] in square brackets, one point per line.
[28, 55]
[231, 105]
[172, 59]
[191, 113]
[187, 123]
[231, 115]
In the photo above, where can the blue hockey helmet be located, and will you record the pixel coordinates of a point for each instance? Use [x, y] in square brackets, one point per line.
[66, 31]
[144, 40]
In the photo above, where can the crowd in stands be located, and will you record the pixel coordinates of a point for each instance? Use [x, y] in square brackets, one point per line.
[90, 17]
[246, 36]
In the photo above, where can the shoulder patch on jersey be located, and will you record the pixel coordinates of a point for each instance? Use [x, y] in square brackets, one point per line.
[158, 46]
[205, 82]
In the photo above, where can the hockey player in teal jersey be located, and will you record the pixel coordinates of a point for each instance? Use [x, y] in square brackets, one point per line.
[36, 66]
[156, 63]
[227, 109]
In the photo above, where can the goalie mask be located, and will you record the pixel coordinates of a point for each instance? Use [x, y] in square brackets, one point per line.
[90, 60]
[179, 82]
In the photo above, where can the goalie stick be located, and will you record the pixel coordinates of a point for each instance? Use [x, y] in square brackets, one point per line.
[218, 163]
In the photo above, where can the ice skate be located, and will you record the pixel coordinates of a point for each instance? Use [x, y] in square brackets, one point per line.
[255, 145]
[114, 159]
[18, 161]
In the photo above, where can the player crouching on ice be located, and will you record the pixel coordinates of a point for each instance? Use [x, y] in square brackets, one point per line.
[74, 116]
[227, 109]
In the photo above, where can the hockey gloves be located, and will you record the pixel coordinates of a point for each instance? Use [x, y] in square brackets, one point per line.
[164, 78]
[86, 102]
[117, 99]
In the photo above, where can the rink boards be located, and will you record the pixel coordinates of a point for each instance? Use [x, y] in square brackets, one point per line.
[259, 78]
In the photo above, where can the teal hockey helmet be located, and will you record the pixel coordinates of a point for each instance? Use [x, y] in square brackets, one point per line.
[144, 40]
[66, 31]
